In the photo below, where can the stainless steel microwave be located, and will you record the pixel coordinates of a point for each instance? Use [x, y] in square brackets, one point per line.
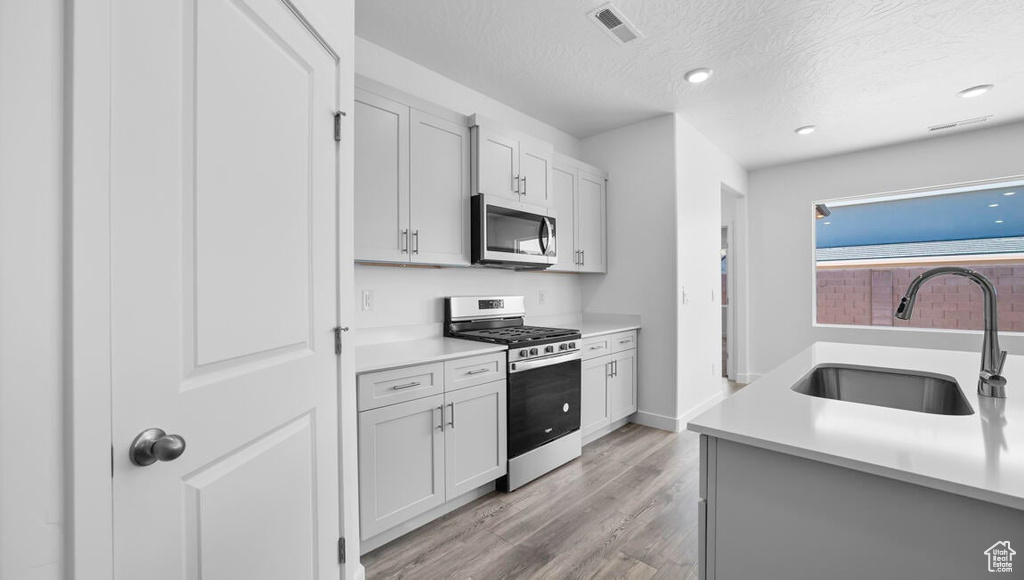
[512, 234]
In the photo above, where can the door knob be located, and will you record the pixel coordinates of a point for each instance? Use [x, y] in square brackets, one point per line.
[154, 445]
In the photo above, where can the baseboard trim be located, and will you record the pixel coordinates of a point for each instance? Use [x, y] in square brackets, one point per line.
[704, 406]
[747, 378]
[676, 424]
[657, 421]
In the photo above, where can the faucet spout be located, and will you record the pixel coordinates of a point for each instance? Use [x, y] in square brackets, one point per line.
[991, 383]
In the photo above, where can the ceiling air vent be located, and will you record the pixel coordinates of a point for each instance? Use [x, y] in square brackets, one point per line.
[610, 20]
[958, 124]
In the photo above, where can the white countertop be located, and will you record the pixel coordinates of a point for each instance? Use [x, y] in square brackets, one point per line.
[590, 324]
[979, 456]
[597, 328]
[375, 357]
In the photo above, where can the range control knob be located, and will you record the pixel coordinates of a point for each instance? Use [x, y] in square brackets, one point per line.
[549, 349]
[524, 352]
[563, 346]
[572, 345]
[533, 351]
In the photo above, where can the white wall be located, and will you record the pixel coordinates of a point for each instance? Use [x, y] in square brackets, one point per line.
[31, 428]
[384, 66]
[780, 198]
[641, 278]
[411, 297]
[702, 170]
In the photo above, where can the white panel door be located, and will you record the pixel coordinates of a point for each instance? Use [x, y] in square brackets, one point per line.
[535, 172]
[475, 441]
[401, 463]
[223, 228]
[622, 385]
[439, 190]
[594, 402]
[591, 224]
[496, 164]
[381, 178]
[563, 193]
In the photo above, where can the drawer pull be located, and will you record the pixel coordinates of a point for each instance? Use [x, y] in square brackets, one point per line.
[625, 340]
[595, 347]
[407, 386]
[477, 371]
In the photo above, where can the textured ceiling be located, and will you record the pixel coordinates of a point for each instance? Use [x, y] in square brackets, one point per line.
[866, 72]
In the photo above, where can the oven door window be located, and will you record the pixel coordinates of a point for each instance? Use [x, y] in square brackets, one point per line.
[543, 405]
[510, 231]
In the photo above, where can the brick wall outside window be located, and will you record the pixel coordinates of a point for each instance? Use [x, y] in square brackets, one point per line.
[869, 296]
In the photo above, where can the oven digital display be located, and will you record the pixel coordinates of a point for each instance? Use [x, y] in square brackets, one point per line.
[490, 304]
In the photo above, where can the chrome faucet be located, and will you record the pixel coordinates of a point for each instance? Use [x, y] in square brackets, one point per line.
[990, 382]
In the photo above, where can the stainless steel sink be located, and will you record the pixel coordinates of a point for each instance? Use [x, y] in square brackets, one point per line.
[897, 389]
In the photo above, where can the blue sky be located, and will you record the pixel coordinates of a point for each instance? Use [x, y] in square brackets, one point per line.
[955, 216]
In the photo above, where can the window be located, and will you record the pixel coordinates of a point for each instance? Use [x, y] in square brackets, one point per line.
[867, 250]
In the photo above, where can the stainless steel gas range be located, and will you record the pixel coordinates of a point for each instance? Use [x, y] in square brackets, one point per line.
[543, 382]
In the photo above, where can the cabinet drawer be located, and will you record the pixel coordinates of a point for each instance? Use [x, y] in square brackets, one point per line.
[399, 385]
[596, 346]
[623, 341]
[474, 370]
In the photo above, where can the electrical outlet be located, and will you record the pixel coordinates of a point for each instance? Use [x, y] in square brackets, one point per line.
[541, 298]
[368, 300]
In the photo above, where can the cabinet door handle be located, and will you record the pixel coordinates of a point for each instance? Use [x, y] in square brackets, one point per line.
[615, 368]
[583, 258]
[524, 185]
[451, 416]
[516, 178]
[405, 241]
[406, 386]
[610, 369]
[477, 371]
[416, 242]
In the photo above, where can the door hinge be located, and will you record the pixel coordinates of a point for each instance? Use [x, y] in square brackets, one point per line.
[337, 338]
[341, 550]
[337, 124]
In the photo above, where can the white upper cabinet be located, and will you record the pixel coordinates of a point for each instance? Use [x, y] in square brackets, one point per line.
[411, 183]
[535, 160]
[579, 198]
[439, 190]
[510, 166]
[381, 178]
[497, 163]
[590, 223]
[563, 191]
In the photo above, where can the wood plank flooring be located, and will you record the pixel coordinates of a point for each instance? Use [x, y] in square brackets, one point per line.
[626, 509]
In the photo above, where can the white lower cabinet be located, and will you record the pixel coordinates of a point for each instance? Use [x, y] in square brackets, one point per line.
[609, 382]
[622, 385]
[595, 412]
[401, 463]
[475, 441]
[416, 455]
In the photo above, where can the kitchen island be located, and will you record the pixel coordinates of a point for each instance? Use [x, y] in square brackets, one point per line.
[797, 486]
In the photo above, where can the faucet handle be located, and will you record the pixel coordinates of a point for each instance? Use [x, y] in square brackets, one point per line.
[1002, 361]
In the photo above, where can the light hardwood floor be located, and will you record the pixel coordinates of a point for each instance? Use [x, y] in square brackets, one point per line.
[626, 509]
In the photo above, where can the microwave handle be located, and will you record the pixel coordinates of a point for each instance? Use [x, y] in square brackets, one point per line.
[545, 235]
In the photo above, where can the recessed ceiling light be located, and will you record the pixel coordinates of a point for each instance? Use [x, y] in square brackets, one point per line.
[698, 75]
[806, 129]
[999, 221]
[1009, 193]
[974, 91]
[993, 205]
[828, 223]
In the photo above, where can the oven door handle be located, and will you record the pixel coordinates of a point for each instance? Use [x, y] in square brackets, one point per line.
[518, 367]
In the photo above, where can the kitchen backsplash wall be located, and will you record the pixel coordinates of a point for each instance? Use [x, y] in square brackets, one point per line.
[414, 296]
